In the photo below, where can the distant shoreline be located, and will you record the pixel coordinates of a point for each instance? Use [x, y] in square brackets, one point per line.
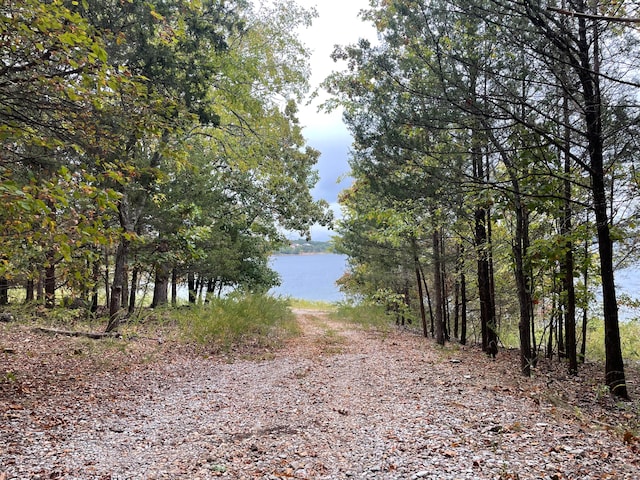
[301, 254]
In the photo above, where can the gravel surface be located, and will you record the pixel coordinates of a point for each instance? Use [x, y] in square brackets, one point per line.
[337, 403]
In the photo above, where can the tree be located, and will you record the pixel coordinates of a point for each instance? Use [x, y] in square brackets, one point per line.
[579, 67]
[480, 76]
[105, 104]
[52, 73]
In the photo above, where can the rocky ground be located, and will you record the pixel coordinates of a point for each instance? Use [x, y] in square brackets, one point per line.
[338, 402]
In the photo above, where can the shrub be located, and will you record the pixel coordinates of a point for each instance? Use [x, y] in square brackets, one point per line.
[236, 321]
[365, 314]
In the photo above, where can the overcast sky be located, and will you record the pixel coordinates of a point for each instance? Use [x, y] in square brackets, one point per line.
[337, 24]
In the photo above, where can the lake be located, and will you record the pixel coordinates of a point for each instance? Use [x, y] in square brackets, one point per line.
[313, 277]
[309, 277]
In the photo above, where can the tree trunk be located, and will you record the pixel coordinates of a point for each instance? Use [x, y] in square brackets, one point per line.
[94, 290]
[568, 296]
[463, 305]
[456, 306]
[561, 336]
[423, 315]
[191, 285]
[115, 302]
[614, 363]
[585, 308]
[50, 281]
[487, 308]
[522, 284]
[124, 299]
[549, 354]
[446, 316]
[30, 291]
[114, 306]
[437, 281]
[590, 81]
[4, 291]
[107, 284]
[40, 286]
[210, 290]
[134, 289]
[161, 286]
[200, 288]
[567, 264]
[174, 286]
[429, 303]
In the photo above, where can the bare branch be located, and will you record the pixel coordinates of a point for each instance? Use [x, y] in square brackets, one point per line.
[606, 18]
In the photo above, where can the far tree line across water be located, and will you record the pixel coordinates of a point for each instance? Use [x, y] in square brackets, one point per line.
[298, 247]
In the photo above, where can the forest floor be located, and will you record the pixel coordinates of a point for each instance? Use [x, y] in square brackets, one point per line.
[337, 402]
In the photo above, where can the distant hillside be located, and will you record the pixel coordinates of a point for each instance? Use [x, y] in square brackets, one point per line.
[297, 247]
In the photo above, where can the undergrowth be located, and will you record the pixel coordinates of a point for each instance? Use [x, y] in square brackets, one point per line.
[237, 321]
[629, 339]
[364, 314]
[220, 325]
[595, 349]
[311, 304]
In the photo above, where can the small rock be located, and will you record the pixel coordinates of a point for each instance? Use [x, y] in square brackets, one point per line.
[420, 474]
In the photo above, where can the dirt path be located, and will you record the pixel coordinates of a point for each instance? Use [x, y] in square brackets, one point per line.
[337, 402]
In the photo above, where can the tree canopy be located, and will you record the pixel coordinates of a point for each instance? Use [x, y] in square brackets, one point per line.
[494, 136]
[151, 140]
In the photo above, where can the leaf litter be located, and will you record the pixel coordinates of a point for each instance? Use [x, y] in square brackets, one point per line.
[336, 402]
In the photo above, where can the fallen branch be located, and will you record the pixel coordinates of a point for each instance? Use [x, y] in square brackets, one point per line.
[68, 333]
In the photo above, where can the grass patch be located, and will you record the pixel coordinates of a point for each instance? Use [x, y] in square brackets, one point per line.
[331, 342]
[224, 324]
[595, 350]
[237, 322]
[311, 304]
[365, 315]
[629, 339]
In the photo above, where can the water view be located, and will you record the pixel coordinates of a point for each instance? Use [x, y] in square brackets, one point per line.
[313, 277]
[309, 277]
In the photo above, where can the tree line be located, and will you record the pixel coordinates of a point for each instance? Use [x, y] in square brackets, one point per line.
[495, 168]
[150, 139]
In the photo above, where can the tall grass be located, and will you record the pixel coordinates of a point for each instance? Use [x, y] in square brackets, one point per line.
[629, 339]
[595, 350]
[367, 315]
[238, 321]
[311, 304]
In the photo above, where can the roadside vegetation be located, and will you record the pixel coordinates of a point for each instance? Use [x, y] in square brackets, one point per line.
[235, 322]
[366, 315]
[222, 325]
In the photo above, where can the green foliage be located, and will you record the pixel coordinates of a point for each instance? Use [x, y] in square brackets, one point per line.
[460, 128]
[238, 321]
[365, 314]
[311, 304]
[595, 350]
[629, 338]
[167, 127]
[297, 247]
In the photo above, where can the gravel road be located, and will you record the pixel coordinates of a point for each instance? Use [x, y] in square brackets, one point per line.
[337, 403]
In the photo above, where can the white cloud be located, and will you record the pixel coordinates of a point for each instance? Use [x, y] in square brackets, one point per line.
[337, 23]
